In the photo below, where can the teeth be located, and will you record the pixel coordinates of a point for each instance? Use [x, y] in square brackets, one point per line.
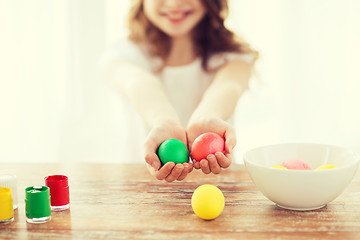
[176, 15]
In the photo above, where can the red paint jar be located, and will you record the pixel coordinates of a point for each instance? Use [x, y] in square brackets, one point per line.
[59, 192]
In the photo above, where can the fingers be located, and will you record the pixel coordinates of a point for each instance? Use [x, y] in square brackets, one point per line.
[171, 172]
[164, 171]
[175, 173]
[196, 164]
[204, 165]
[185, 172]
[213, 164]
[223, 161]
[179, 172]
[191, 167]
[210, 164]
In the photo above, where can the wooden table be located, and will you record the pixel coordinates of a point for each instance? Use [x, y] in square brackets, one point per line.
[113, 201]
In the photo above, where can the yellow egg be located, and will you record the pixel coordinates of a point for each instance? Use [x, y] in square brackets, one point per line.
[207, 201]
[327, 166]
[279, 166]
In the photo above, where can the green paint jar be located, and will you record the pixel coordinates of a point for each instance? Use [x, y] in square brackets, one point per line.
[37, 204]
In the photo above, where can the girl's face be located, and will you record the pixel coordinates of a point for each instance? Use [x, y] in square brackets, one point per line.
[176, 18]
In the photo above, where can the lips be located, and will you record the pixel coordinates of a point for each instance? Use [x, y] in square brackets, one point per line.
[176, 16]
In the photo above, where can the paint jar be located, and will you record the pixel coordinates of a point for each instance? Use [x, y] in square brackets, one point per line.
[10, 181]
[59, 192]
[37, 204]
[6, 205]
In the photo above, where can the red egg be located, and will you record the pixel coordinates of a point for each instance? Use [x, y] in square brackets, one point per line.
[205, 144]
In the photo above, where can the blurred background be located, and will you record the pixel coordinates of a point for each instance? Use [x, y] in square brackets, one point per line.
[54, 107]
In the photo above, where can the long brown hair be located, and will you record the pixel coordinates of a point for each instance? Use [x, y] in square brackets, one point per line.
[210, 35]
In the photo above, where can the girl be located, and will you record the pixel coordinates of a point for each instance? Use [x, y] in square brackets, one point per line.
[183, 72]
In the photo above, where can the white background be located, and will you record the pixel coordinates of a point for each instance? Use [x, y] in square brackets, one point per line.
[54, 108]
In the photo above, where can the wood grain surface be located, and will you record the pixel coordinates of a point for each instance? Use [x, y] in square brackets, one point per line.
[118, 201]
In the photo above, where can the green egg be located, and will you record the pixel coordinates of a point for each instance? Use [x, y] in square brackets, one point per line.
[173, 150]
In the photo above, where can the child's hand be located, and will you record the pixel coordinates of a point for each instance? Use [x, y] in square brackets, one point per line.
[169, 172]
[214, 162]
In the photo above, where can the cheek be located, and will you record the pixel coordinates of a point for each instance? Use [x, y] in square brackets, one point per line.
[194, 21]
[150, 10]
[200, 8]
[199, 14]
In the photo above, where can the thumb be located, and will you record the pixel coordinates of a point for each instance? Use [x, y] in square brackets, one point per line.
[151, 157]
[188, 141]
[153, 160]
[230, 140]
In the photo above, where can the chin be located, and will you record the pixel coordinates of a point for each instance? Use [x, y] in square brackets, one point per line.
[175, 33]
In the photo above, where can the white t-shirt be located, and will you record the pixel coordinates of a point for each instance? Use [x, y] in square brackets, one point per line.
[184, 86]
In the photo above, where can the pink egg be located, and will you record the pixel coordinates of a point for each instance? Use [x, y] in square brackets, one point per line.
[295, 163]
[205, 144]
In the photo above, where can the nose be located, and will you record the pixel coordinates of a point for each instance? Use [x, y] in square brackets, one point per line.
[173, 3]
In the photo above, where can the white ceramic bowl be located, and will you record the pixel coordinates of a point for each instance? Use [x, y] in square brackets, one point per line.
[301, 189]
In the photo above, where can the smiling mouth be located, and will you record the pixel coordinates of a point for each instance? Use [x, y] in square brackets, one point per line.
[176, 16]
